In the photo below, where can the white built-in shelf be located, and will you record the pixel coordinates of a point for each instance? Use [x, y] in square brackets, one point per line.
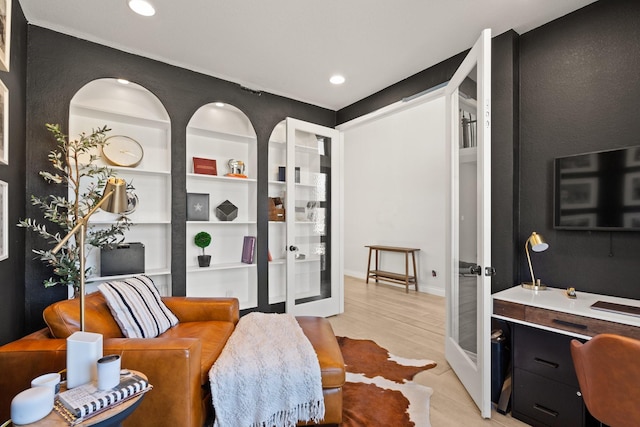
[306, 149]
[222, 178]
[468, 155]
[128, 171]
[217, 222]
[222, 266]
[111, 115]
[142, 222]
[150, 273]
[140, 171]
[226, 136]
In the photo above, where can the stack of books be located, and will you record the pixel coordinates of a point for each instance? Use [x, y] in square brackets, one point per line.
[85, 401]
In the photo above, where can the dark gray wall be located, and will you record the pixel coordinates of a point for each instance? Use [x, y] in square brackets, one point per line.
[579, 92]
[504, 140]
[60, 65]
[570, 86]
[12, 269]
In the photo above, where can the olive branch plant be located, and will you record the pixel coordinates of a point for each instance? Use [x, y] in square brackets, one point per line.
[74, 165]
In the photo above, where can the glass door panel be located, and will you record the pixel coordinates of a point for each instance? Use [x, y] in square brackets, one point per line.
[311, 175]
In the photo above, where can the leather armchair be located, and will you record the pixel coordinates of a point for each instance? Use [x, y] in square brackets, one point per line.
[176, 363]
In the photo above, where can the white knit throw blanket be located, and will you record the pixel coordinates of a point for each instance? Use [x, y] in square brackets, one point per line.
[267, 375]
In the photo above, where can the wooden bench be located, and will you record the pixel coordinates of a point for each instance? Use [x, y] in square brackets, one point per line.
[403, 278]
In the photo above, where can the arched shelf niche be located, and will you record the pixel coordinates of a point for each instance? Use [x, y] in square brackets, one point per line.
[216, 134]
[132, 112]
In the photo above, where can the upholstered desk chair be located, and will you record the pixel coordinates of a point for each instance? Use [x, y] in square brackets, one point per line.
[608, 370]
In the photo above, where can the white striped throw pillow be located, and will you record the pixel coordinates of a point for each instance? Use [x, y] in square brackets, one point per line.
[137, 307]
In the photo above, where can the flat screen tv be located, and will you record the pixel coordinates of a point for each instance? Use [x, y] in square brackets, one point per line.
[598, 191]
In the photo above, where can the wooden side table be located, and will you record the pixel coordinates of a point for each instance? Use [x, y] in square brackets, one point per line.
[111, 417]
[389, 276]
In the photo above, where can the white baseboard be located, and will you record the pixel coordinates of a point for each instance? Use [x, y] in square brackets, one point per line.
[433, 290]
[356, 274]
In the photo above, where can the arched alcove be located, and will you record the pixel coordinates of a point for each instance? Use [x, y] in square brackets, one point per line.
[221, 200]
[135, 116]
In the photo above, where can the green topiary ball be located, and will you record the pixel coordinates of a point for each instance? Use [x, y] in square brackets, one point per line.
[202, 239]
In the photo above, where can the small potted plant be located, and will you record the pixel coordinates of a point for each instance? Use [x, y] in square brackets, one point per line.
[202, 240]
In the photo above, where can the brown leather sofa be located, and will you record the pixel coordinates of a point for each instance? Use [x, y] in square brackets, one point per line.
[177, 362]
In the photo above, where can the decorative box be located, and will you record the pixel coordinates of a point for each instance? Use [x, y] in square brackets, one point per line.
[205, 166]
[226, 211]
[276, 209]
[123, 258]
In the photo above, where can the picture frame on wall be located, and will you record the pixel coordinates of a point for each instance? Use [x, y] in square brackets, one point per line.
[579, 193]
[579, 220]
[631, 220]
[632, 189]
[4, 220]
[633, 157]
[579, 164]
[4, 124]
[5, 34]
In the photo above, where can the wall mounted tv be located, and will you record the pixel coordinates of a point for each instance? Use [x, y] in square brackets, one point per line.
[598, 191]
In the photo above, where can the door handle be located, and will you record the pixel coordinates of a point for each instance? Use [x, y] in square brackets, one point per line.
[489, 271]
[293, 248]
[476, 269]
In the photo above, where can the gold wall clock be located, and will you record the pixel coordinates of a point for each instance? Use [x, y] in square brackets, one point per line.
[120, 150]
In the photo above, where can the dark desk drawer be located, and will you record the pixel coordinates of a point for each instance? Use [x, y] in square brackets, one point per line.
[542, 402]
[544, 353]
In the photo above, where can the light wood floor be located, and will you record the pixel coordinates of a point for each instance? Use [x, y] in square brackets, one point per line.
[412, 325]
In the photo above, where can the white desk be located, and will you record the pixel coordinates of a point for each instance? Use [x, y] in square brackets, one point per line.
[545, 390]
[552, 310]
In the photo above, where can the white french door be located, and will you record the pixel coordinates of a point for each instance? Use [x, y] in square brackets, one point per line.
[468, 294]
[312, 201]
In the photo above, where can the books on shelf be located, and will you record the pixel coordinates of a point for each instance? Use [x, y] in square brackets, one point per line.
[248, 249]
[86, 400]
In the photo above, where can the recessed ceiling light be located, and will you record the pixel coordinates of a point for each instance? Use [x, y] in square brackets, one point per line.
[142, 7]
[220, 104]
[337, 79]
[123, 81]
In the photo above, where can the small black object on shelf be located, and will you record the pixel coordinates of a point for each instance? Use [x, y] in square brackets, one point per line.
[123, 258]
[226, 211]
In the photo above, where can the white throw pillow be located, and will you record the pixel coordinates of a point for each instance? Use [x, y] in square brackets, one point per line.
[137, 307]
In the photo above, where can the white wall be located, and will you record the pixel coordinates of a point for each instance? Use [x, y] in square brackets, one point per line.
[395, 191]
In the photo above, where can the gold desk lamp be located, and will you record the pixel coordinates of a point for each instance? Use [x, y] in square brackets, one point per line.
[114, 200]
[537, 245]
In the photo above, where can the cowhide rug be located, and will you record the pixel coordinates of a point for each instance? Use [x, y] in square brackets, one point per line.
[379, 389]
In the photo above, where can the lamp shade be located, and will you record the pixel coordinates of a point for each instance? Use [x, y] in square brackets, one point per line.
[537, 243]
[118, 202]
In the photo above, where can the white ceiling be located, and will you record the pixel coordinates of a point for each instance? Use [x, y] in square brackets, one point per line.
[292, 47]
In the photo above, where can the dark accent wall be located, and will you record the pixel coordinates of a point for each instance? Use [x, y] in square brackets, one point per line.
[59, 65]
[568, 87]
[579, 92]
[12, 294]
[504, 140]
